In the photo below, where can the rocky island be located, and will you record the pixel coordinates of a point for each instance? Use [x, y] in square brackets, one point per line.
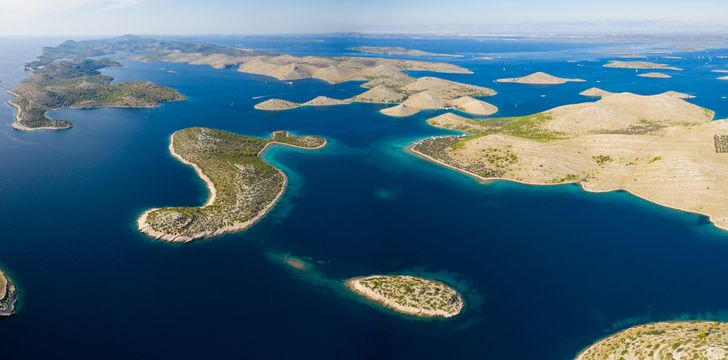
[77, 83]
[655, 75]
[8, 295]
[539, 78]
[279, 105]
[665, 340]
[385, 79]
[660, 148]
[641, 65]
[594, 92]
[397, 51]
[409, 295]
[409, 97]
[243, 187]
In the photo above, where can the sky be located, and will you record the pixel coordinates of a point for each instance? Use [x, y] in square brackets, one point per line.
[185, 17]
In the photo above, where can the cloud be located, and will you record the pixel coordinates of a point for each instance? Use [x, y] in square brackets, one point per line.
[25, 9]
[119, 4]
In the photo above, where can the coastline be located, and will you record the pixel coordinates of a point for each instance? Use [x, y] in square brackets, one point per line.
[265, 148]
[8, 301]
[484, 180]
[371, 296]
[582, 352]
[145, 228]
[17, 125]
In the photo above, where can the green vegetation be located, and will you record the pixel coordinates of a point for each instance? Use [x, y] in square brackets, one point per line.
[667, 340]
[654, 159]
[495, 162]
[306, 142]
[499, 158]
[410, 295]
[568, 178]
[527, 127]
[442, 148]
[245, 187]
[77, 83]
[721, 143]
[602, 159]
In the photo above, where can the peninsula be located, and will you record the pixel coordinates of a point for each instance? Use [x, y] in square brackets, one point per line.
[243, 188]
[77, 83]
[8, 295]
[641, 65]
[660, 148]
[409, 97]
[409, 295]
[398, 51]
[664, 340]
[539, 78]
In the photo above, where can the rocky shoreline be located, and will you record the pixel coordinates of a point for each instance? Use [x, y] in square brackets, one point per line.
[8, 295]
[663, 340]
[409, 295]
[248, 186]
[658, 148]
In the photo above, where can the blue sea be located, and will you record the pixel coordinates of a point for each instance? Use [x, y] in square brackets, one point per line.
[546, 270]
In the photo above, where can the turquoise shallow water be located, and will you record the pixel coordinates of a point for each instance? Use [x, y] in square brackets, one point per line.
[548, 269]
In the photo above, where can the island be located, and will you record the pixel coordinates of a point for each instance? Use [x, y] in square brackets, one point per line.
[410, 97]
[397, 51]
[386, 80]
[655, 75]
[539, 78]
[409, 295]
[77, 83]
[663, 340]
[243, 188]
[660, 148]
[594, 92]
[640, 65]
[278, 104]
[8, 295]
[723, 78]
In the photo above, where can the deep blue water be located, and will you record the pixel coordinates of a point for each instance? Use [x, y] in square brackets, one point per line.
[555, 268]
